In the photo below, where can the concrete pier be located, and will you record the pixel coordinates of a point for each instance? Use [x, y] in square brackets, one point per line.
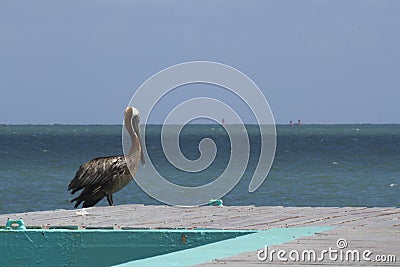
[375, 230]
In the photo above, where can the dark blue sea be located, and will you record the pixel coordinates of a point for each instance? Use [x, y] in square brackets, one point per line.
[315, 165]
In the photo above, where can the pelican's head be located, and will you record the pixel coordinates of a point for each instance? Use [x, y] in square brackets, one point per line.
[131, 113]
[132, 117]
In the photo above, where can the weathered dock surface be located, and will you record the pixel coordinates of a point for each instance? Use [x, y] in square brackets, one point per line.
[373, 229]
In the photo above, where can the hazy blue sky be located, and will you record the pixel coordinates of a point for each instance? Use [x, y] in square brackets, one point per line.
[81, 61]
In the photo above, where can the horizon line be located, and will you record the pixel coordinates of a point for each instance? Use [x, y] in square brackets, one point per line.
[160, 124]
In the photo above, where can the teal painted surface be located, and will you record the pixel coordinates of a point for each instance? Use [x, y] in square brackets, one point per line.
[98, 247]
[227, 248]
[15, 224]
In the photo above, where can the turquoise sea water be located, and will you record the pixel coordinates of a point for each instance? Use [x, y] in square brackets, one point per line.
[315, 165]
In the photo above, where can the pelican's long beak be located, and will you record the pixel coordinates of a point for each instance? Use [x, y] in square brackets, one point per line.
[137, 131]
[141, 150]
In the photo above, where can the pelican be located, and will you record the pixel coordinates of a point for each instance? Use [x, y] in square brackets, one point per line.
[102, 177]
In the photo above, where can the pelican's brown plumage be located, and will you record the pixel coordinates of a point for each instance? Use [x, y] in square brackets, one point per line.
[101, 177]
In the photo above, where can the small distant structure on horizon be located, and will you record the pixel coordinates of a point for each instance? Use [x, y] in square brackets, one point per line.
[291, 124]
[223, 121]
